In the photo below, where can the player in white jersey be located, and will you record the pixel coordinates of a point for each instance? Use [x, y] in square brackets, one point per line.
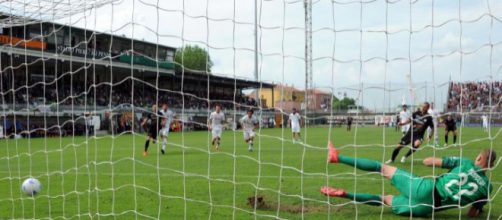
[249, 123]
[295, 120]
[435, 115]
[484, 118]
[215, 125]
[168, 116]
[405, 117]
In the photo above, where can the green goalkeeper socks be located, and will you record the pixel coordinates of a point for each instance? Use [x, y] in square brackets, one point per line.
[368, 199]
[362, 164]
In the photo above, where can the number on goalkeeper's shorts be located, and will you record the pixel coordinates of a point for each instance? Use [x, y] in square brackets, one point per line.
[473, 187]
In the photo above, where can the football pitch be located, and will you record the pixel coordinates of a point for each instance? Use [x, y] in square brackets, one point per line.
[108, 178]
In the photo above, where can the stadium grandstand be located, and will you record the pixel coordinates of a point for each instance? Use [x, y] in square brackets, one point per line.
[474, 96]
[70, 73]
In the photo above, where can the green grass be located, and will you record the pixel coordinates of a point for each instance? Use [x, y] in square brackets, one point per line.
[108, 178]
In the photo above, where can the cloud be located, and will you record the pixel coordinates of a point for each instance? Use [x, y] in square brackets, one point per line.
[227, 31]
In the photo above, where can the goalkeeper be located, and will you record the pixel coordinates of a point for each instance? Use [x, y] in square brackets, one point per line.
[465, 183]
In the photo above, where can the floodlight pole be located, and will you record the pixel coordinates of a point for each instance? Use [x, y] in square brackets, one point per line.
[309, 89]
[308, 54]
[256, 50]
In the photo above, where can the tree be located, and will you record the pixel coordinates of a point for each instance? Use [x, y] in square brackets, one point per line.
[342, 104]
[193, 57]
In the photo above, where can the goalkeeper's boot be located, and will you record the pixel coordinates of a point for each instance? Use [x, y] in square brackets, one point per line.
[333, 192]
[332, 153]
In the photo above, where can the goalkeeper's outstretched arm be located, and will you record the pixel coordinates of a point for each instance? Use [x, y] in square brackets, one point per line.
[433, 161]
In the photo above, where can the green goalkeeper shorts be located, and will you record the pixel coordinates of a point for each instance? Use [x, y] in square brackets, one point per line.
[416, 194]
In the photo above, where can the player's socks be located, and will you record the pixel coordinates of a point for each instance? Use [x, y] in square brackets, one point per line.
[395, 153]
[411, 151]
[147, 143]
[368, 199]
[360, 163]
[446, 139]
[164, 143]
[454, 139]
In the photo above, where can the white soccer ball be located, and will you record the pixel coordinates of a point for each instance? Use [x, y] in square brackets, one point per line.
[31, 187]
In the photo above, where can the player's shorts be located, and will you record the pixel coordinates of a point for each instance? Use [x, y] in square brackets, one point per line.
[216, 132]
[417, 194]
[405, 128]
[295, 129]
[164, 132]
[152, 132]
[407, 138]
[248, 134]
[452, 129]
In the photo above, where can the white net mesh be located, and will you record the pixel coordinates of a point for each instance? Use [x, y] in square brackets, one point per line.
[79, 79]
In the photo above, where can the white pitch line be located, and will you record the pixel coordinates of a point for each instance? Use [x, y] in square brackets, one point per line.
[350, 175]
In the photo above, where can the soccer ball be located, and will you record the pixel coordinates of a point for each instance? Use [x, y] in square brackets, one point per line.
[31, 187]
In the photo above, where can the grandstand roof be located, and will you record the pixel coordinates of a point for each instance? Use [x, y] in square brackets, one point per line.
[4, 19]
[148, 71]
[224, 80]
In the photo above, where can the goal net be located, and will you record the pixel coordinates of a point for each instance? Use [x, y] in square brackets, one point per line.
[143, 109]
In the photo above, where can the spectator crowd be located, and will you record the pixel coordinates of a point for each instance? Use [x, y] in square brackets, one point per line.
[140, 95]
[474, 96]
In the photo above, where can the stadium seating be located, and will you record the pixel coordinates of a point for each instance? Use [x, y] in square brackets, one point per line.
[474, 96]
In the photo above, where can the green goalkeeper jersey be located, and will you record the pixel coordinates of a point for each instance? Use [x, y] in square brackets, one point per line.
[466, 183]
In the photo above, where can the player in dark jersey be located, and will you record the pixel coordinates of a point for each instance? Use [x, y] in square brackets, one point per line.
[153, 123]
[398, 119]
[465, 183]
[420, 121]
[450, 126]
[349, 123]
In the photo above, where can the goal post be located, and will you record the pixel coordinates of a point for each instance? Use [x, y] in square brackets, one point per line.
[189, 109]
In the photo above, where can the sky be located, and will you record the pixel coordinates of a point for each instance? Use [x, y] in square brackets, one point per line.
[376, 51]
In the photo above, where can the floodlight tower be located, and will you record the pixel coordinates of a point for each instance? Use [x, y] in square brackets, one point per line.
[308, 54]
